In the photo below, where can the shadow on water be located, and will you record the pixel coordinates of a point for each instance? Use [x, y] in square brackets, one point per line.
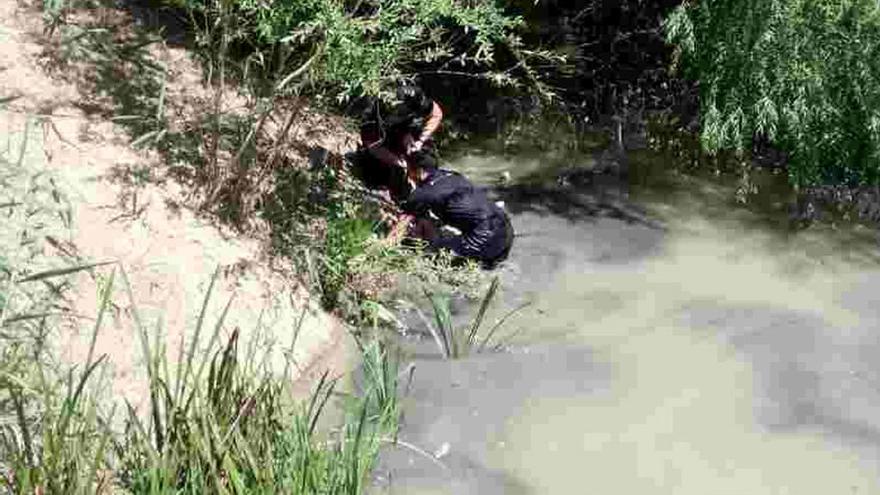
[801, 369]
[641, 187]
[464, 405]
[681, 342]
[601, 195]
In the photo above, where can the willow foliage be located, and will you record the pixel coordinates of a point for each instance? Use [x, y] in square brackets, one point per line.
[804, 74]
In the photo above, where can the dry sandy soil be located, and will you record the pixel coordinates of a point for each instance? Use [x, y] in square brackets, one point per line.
[167, 252]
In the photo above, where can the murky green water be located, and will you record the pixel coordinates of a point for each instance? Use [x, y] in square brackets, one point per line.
[682, 414]
[682, 428]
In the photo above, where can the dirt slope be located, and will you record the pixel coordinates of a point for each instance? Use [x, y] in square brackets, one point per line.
[167, 252]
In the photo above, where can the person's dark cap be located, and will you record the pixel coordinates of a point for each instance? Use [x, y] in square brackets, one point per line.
[412, 97]
[409, 93]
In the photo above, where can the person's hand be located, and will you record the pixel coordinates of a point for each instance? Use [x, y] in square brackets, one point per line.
[400, 229]
[407, 141]
[402, 163]
[415, 146]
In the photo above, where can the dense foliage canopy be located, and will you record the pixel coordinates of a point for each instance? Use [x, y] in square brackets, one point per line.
[803, 74]
[355, 48]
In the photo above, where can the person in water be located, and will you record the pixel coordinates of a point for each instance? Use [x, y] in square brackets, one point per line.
[390, 136]
[486, 232]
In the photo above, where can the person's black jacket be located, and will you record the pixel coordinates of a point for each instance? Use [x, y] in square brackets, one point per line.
[454, 199]
[486, 231]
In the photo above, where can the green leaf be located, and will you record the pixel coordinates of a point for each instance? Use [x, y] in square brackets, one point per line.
[59, 272]
[8, 99]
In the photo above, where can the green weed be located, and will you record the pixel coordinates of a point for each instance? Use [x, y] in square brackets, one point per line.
[214, 423]
[455, 343]
[217, 426]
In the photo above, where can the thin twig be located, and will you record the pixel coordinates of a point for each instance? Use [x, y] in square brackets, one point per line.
[282, 138]
[245, 409]
[43, 115]
[434, 333]
[415, 449]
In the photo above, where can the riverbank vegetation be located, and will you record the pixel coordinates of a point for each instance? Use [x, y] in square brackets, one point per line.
[786, 85]
[241, 121]
[799, 75]
[214, 421]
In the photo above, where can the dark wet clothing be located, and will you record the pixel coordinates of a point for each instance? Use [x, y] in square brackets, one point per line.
[378, 175]
[486, 232]
[380, 126]
[383, 126]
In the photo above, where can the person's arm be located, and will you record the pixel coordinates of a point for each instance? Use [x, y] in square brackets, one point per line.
[386, 156]
[372, 140]
[419, 201]
[432, 123]
[400, 229]
[415, 209]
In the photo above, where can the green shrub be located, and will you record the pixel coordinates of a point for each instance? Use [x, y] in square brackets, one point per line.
[218, 425]
[36, 218]
[346, 239]
[803, 74]
[213, 422]
[356, 49]
[456, 343]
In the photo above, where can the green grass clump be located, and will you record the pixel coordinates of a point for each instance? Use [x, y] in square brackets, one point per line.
[213, 421]
[458, 342]
[221, 425]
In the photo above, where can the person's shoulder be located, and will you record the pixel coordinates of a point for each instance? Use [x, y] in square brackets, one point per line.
[455, 179]
[369, 109]
[454, 173]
